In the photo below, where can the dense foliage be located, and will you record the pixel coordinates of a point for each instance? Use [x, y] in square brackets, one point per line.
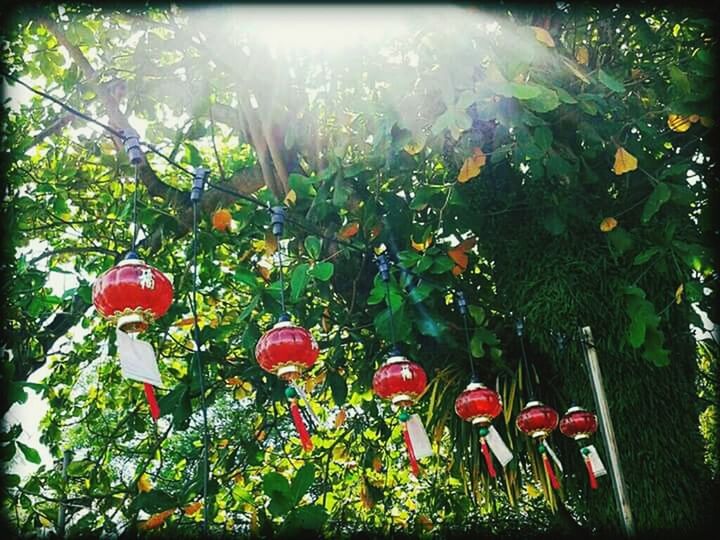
[555, 165]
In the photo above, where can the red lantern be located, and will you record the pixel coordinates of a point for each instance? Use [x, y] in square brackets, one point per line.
[132, 294]
[538, 421]
[402, 382]
[480, 405]
[579, 424]
[286, 350]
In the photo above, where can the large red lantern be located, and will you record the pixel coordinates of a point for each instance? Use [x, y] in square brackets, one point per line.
[132, 294]
[538, 421]
[480, 405]
[579, 424]
[287, 350]
[402, 382]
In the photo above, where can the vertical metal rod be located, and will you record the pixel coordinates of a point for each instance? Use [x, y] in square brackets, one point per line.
[61, 512]
[606, 428]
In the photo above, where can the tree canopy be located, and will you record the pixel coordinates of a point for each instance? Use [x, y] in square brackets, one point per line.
[554, 164]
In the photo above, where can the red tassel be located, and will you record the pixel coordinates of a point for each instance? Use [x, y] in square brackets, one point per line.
[549, 470]
[154, 407]
[591, 474]
[300, 426]
[488, 457]
[411, 453]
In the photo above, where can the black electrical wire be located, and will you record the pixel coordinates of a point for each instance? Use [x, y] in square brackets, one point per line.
[134, 210]
[201, 376]
[66, 106]
[467, 344]
[280, 267]
[392, 324]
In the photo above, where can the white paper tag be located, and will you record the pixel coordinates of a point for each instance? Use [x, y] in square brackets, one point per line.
[418, 437]
[498, 446]
[597, 464]
[301, 392]
[137, 360]
[553, 455]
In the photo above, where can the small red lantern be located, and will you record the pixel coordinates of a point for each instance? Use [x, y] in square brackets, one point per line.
[132, 294]
[538, 421]
[399, 380]
[287, 350]
[480, 405]
[579, 424]
[402, 382]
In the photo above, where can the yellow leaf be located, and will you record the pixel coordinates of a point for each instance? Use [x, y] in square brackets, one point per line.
[459, 255]
[415, 145]
[340, 418]
[144, 484]
[221, 220]
[472, 166]
[582, 55]
[374, 232]
[679, 293]
[45, 522]
[532, 491]
[291, 197]
[636, 74]
[192, 508]
[421, 246]
[270, 243]
[234, 381]
[624, 161]
[608, 224]
[543, 36]
[678, 123]
[694, 118]
[377, 464]
[425, 522]
[156, 520]
[264, 272]
[222, 443]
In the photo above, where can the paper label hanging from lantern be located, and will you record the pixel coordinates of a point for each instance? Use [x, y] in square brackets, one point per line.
[137, 360]
[418, 437]
[498, 446]
[553, 455]
[595, 461]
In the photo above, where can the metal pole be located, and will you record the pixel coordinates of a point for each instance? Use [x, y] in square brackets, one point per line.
[61, 512]
[606, 428]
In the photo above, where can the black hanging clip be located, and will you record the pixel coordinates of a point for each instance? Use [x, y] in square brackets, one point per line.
[131, 141]
[198, 186]
[461, 302]
[383, 266]
[519, 326]
[277, 220]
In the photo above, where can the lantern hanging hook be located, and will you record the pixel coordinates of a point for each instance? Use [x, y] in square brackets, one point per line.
[462, 307]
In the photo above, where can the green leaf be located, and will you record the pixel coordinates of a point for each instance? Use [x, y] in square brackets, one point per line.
[154, 501]
[553, 223]
[609, 81]
[192, 155]
[519, 91]
[547, 101]
[302, 481]
[298, 281]
[276, 486]
[646, 255]
[659, 196]
[305, 518]
[680, 83]
[312, 246]
[636, 332]
[620, 240]
[322, 271]
[477, 313]
[32, 455]
[302, 185]
[338, 387]
[543, 138]
[80, 468]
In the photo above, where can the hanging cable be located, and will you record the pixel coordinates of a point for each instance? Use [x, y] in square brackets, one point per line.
[519, 330]
[277, 220]
[199, 179]
[134, 210]
[462, 307]
[384, 271]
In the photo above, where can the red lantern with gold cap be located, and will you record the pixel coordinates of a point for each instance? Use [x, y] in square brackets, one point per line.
[401, 382]
[579, 424]
[287, 350]
[133, 295]
[480, 405]
[538, 421]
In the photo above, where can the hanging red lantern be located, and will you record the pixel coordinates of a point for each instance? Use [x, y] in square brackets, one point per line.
[538, 421]
[402, 382]
[287, 350]
[579, 424]
[480, 405]
[132, 294]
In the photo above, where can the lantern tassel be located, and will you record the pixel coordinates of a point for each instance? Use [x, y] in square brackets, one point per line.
[154, 407]
[549, 470]
[488, 457]
[591, 473]
[411, 453]
[300, 425]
